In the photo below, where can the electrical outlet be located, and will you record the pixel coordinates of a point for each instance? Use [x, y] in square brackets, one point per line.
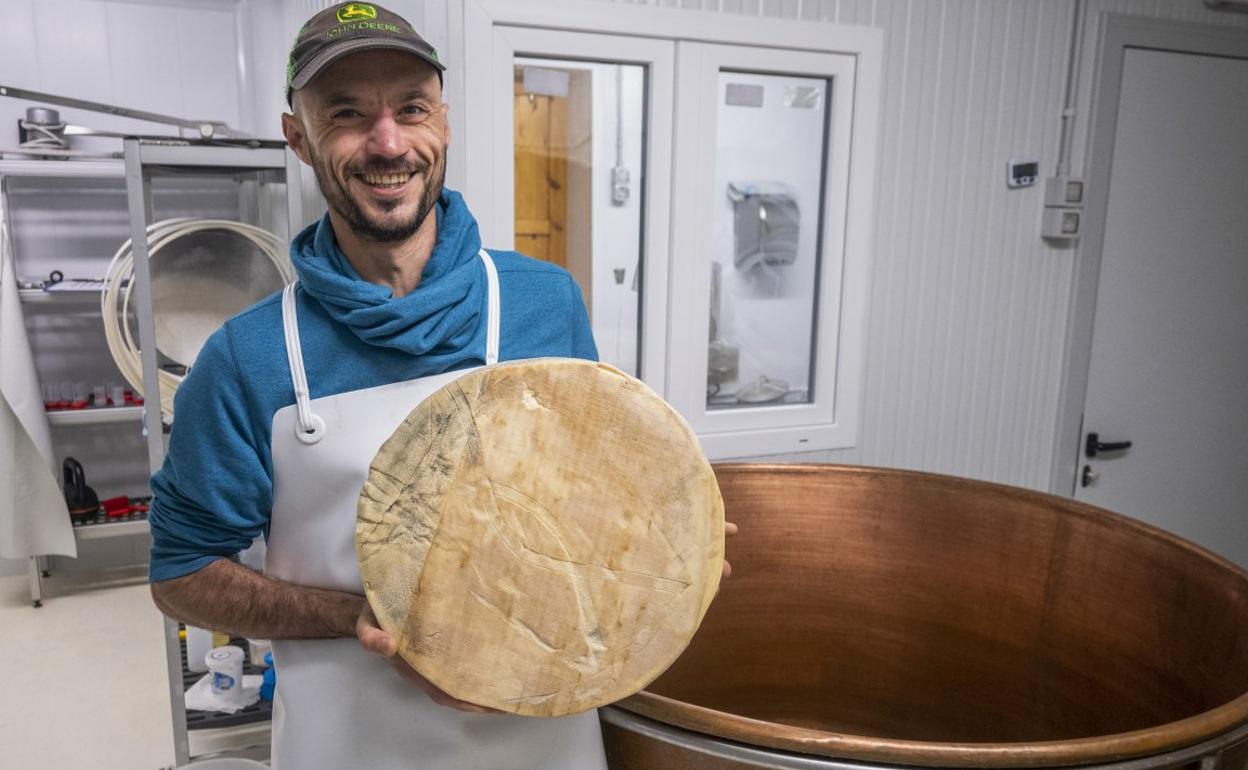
[619, 185]
[1062, 224]
[1063, 191]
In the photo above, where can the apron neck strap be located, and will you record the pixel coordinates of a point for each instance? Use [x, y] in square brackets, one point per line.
[493, 325]
[310, 427]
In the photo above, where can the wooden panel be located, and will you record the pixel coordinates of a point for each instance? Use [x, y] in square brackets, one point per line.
[532, 245]
[541, 131]
[557, 181]
[533, 226]
[532, 133]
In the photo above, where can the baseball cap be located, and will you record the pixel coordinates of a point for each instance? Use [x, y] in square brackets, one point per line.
[347, 28]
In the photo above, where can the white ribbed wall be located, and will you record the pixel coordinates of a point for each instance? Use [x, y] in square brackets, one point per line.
[968, 307]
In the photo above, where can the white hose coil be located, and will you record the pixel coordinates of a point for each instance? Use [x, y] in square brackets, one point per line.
[119, 283]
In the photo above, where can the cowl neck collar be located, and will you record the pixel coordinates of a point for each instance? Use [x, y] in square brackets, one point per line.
[438, 319]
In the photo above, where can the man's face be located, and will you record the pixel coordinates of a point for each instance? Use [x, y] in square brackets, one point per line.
[374, 129]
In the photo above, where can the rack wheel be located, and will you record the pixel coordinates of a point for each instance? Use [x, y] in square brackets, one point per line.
[37, 603]
[46, 573]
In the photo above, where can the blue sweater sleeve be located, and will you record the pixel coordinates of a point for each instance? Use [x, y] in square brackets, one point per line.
[213, 495]
[583, 345]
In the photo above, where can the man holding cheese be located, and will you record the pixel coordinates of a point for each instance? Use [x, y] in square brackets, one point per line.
[395, 297]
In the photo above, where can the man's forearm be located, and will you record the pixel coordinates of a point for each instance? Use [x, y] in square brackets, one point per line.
[225, 596]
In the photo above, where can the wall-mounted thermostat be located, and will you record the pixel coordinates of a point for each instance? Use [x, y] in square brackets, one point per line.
[1022, 173]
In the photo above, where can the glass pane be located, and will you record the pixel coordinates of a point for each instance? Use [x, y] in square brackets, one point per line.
[579, 145]
[771, 132]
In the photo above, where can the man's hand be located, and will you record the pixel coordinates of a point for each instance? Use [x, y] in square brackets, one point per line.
[729, 529]
[375, 640]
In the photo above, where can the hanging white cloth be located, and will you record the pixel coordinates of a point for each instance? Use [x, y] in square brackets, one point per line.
[34, 520]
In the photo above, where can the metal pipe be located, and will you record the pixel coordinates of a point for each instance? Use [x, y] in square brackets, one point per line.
[1072, 91]
[139, 199]
[207, 129]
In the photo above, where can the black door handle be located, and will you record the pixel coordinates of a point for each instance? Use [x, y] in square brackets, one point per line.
[1095, 445]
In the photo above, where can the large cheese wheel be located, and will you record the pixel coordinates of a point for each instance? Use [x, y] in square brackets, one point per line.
[542, 536]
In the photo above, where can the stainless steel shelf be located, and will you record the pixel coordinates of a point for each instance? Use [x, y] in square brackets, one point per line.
[270, 156]
[268, 162]
[69, 169]
[95, 415]
[111, 529]
[251, 741]
[85, 296]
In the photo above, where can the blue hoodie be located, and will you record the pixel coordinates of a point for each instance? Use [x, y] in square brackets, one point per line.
[214, 494]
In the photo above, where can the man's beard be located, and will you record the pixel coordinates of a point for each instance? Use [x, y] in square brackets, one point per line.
[340, 200]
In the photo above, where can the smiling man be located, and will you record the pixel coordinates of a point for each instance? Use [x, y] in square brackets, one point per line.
[290, 400]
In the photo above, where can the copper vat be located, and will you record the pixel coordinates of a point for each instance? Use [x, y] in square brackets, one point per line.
[882, 618]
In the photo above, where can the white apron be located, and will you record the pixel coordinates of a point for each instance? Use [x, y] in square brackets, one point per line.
[337, 706]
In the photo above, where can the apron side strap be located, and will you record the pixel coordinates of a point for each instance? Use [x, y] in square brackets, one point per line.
[493, 321]
[309, 427]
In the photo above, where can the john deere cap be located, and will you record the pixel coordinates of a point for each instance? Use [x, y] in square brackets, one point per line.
[346, 28]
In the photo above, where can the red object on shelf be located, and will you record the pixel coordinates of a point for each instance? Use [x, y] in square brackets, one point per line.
[116, 507]
[121, 506]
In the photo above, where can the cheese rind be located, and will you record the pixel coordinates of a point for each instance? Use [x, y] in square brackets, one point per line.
[542, 537]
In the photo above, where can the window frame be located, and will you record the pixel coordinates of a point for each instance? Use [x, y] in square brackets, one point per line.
[486, 34]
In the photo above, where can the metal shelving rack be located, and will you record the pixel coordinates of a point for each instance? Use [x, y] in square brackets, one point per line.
[95, 415]
[250, 163]
[104, 169]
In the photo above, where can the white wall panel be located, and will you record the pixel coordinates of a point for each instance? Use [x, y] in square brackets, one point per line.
[19, 56]
[74, 33]
[142, 48]
[178, 58]
[208, 66]
[968, 306]
[962, 287]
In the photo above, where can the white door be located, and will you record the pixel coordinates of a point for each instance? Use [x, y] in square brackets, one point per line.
[581, 173]
[1169, 364]
[763, 140]
[707, 180]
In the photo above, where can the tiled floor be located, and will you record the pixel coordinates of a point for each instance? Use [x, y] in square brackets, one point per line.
[84, 676]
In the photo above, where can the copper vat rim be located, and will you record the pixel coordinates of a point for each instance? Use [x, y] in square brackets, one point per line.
[1077, 751]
